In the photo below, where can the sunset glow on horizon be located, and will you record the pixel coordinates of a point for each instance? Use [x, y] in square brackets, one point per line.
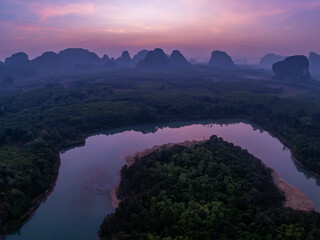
[248, 28]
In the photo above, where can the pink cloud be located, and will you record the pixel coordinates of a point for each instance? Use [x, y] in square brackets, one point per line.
[226, 24]
[235, 12]
[47, 11]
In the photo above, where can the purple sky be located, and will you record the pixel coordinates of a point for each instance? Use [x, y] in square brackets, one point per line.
[247, 28]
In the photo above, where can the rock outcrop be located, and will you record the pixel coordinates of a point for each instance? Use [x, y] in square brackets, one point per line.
[221, 59]
[155, 60]
[314, 61]
[124, 60]
[108, 62]
[139, 57]
[66, 60]
[294, 68]
[106, 59]
[178, 60]
[18, 65]
[78, 58]
[268, 60]
[47, 61]
[19, 59]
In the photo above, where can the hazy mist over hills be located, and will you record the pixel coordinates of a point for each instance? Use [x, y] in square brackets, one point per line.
[86, 86]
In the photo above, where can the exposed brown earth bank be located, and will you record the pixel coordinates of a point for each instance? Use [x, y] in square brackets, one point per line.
[294, 198]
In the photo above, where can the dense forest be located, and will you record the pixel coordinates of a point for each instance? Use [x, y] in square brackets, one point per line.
[213, 190]
[38, 122]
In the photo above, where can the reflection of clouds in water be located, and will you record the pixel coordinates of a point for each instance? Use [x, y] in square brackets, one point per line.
[87, 174]
[96, 179]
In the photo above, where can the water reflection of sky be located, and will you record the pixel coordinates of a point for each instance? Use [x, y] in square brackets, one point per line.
[81, 199]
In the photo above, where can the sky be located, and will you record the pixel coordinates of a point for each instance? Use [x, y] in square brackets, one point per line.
[243, 28]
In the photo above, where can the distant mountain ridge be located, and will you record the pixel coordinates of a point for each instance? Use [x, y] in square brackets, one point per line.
[269, 59]
[82, 59]
[79, 59]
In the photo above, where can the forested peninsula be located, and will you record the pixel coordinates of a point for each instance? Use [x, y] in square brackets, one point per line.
[212, 190]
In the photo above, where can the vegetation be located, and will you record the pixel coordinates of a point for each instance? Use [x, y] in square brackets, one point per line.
[64, 111]
[24, 174]
[7, 81]
[213, 190]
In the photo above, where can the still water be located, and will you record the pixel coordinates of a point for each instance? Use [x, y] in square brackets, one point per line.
[81, 198]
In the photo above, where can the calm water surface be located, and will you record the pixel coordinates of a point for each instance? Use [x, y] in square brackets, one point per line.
[81, 198]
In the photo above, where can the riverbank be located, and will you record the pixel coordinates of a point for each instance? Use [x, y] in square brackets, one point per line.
[13, 226]
[294, 198]
[131, 160]
[217, 178]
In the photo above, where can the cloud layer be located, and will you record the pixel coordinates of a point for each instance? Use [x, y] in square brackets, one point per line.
[247, 27]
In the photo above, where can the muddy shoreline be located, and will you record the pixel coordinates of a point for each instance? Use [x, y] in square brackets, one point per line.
[294, 198]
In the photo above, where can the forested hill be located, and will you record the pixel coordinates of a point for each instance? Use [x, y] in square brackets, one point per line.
[213, 190]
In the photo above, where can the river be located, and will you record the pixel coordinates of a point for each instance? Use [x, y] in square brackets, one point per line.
[81, 198]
